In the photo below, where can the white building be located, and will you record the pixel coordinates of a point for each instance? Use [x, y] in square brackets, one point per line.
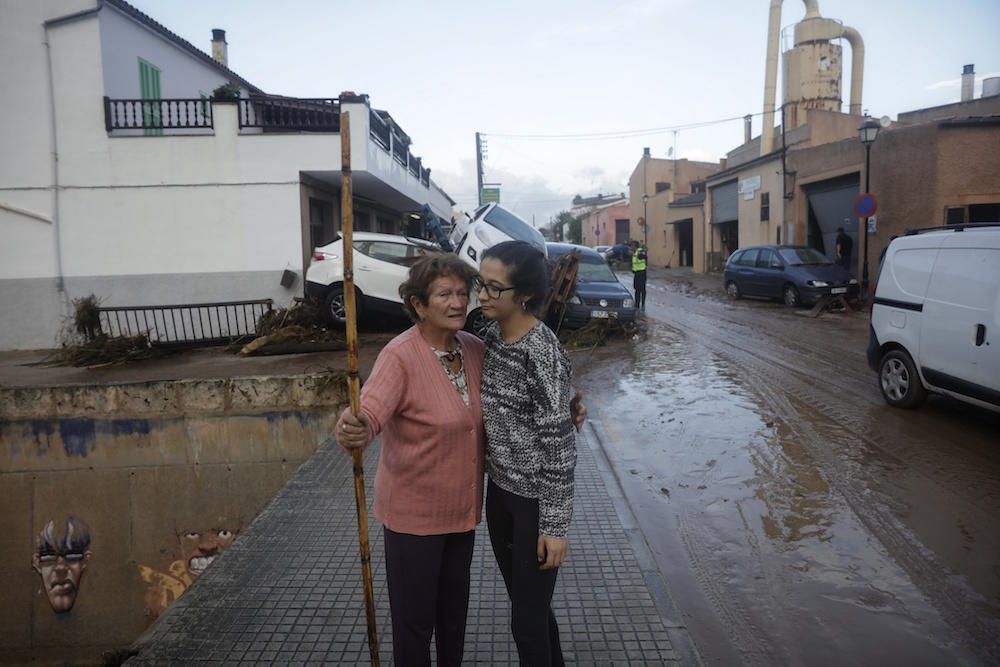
[119, 177]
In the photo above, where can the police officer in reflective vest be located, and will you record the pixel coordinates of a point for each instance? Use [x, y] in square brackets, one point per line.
[639, 274]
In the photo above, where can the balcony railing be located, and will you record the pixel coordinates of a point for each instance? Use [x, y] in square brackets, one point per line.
[154, 116]
[290, 114]
[379, 130]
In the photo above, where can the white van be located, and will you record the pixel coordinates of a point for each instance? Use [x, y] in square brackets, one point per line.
[935, 320]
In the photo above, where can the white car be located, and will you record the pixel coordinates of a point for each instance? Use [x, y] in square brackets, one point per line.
[381, 263]
[935, 322]
[492, 224]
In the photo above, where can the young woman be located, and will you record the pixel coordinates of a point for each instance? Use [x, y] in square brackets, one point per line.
[423, 396]
[530, 443]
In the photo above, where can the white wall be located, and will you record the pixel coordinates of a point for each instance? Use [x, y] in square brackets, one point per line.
[124, 41]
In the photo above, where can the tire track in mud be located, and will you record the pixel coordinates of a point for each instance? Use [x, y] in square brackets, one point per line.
[747, 638]
[951, 600]
[824, 400]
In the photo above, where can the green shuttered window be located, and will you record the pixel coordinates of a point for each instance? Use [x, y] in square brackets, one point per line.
[149, 88]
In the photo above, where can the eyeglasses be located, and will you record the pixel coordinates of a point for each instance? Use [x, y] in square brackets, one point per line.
[492, 291]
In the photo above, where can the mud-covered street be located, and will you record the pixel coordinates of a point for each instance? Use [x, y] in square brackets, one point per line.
[796, 518]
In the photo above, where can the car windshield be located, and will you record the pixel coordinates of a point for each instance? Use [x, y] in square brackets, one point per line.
[803, 256]
[514, 227]
[594, 270]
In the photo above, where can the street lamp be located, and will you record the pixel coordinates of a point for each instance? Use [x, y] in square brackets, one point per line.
[645, 221]
[867, 133]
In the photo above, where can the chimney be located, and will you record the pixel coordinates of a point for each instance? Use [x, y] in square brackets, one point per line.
[968, 82]
[220, 51]
[747, 131]
[645, 151]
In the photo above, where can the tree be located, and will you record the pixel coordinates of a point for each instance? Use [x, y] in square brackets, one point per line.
[568, 227]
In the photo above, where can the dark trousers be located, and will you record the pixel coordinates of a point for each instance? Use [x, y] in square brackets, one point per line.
[639, 283]
[428, 577]
[513, 524]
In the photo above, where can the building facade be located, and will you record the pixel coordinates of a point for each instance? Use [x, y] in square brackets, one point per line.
[607, 224]
[131, 184]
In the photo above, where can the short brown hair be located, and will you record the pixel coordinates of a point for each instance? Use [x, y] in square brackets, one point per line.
[425, 271]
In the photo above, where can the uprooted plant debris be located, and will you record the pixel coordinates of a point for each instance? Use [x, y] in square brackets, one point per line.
[84, 342]
[596, 333]
[298, 328]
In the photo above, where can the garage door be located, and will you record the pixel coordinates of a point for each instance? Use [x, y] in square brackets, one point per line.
[831, 205]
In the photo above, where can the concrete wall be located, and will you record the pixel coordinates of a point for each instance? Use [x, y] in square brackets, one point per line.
[164, 475]
[754, 231]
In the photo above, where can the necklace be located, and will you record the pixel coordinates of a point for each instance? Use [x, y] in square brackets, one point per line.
[448, 356]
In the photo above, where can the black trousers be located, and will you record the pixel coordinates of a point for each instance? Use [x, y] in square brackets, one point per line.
[428, 577]
[639, 284]
[513, 525]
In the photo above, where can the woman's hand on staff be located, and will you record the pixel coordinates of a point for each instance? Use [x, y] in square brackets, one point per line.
[352, 432]
[551, 551]
[578, 411]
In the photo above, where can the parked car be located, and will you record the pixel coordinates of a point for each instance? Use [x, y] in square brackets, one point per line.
[796, 274]
[381, 263]
[598, 292]
[935, 318]
[491, 224]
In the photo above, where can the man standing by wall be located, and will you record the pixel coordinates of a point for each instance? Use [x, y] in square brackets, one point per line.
[639, 274]
[845, 244]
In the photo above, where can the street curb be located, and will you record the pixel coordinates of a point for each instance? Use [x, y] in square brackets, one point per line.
[680, 638]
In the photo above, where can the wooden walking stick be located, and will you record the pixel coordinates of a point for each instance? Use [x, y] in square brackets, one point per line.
[353, 380]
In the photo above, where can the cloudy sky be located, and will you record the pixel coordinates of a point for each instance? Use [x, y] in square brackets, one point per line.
[446, 69]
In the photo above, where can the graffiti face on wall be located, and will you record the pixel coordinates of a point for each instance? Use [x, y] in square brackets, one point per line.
[198, 549]
[60, 558]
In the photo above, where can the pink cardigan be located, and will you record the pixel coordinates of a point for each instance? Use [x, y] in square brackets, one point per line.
[430, 474]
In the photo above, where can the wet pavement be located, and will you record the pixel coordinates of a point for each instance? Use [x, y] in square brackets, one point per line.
[796, 518]
[288, 591]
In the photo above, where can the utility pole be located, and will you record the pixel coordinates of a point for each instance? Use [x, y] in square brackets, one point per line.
[479, 168]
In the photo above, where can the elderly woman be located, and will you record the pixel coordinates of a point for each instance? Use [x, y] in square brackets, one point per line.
[423, 398]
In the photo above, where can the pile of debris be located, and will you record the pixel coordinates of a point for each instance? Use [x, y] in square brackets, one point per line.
[596, 333]
[298, 328]
[84, 343]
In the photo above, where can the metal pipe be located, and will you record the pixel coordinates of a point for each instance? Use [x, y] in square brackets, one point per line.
[771, 75]
[853, 38]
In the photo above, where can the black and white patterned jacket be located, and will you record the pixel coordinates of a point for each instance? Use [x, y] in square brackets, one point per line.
[530, 440]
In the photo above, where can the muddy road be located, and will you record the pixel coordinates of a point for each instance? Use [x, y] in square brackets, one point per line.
[795, 517]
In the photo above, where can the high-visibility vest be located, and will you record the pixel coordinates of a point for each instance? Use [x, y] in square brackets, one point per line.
[639, 264]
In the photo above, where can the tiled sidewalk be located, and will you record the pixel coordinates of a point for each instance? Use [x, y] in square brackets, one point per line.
[289, 592]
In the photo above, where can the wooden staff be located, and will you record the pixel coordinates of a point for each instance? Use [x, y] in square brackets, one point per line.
[353, 379]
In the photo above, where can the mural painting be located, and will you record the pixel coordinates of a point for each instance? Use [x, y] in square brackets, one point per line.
[198, 549]
[61, 556]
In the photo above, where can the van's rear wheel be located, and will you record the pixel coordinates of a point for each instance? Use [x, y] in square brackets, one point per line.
[899, 381]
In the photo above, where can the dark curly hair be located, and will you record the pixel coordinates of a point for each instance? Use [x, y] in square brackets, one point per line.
[527, 268]
[425, 271]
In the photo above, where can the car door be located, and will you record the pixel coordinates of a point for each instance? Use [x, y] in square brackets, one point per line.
[960, 332]
[770, 273]
[387, 266]
[746, 272]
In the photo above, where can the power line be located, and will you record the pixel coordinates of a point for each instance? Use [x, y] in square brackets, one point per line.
[620, 134]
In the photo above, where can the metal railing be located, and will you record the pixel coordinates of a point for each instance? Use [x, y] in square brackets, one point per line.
[157, 115]
[274, 114]
[191, 324]
[378, 129]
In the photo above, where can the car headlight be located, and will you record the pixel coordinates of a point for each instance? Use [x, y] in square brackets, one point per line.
[628, 303]
[854, 281]
[817, 283]
[575, 300]
[483, 236]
